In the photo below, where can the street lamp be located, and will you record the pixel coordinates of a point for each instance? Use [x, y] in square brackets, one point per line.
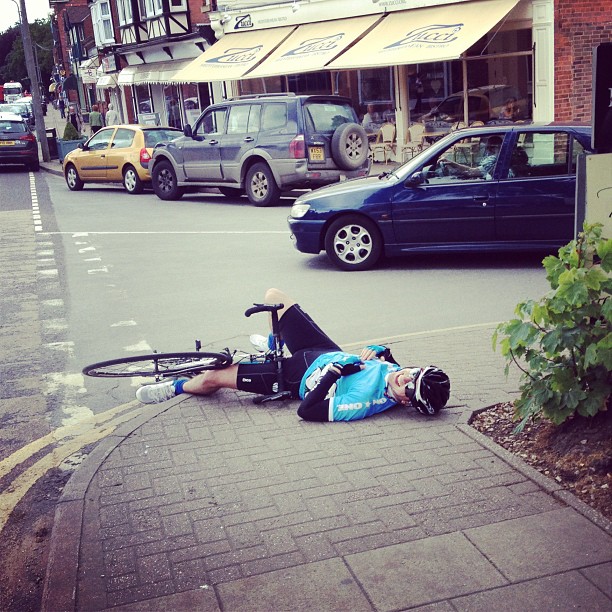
[32, 75]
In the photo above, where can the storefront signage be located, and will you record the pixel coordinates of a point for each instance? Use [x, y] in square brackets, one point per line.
[243, 22]
[237, 56]
[109, 63]
[431, 35]
[316, 45]
[88, 75]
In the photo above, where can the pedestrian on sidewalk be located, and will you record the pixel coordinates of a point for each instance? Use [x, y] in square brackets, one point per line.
[62, 108]
[112, 116]
[332, 384]
[96, 121]
[75, 117]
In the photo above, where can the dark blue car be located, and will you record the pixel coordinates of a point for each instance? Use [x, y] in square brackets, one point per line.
[495, 188]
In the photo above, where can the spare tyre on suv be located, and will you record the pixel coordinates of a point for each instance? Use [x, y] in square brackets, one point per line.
[263, 145]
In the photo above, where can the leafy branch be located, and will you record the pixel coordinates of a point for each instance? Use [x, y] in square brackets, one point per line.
[562, 343]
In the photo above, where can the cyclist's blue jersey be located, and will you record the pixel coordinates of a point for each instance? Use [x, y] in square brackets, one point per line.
[353, 397]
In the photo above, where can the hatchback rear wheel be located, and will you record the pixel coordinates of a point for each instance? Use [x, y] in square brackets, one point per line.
[261, 187]
[131, 180]
[353, 243]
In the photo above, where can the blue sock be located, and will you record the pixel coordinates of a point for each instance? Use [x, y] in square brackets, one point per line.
[178, 385]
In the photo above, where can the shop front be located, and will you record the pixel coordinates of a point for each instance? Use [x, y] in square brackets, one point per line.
[475, 60]
[150, 96]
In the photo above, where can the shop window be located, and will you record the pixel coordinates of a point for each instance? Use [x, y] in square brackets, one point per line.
[376, 86]
[144, 102]
[310, 83]
[275, 84]
[173, 109]
[191, 102]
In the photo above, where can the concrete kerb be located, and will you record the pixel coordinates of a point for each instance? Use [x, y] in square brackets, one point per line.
[60, 585]
[59, 590]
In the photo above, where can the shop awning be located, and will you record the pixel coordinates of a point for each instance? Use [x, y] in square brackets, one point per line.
[158, 72]
[107, 81]
[431, 34]
[233, 56]
[313, 45]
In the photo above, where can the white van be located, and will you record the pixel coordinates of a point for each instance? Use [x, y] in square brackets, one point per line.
[12, 91]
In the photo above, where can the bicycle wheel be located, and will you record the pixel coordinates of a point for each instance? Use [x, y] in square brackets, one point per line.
[159, 365]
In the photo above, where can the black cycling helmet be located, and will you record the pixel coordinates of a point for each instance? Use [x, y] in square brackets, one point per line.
[430, 391]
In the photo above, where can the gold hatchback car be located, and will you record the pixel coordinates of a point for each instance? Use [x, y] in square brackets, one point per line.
[116, 154]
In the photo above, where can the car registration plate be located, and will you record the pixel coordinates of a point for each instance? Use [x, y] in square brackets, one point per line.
[316, 154]
[7, 143]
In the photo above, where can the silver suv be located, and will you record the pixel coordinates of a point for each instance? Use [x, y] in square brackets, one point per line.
[264, 145]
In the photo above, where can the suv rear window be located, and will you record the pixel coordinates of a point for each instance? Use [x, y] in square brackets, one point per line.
[327, 116]
[12, 126]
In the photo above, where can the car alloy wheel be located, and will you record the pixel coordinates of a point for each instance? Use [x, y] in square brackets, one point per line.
[261, 187]
[131, 181]
[353, 243]
[73, 180]
[165, 181]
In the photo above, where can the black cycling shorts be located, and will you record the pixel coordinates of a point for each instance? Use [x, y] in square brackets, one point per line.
[304, 339]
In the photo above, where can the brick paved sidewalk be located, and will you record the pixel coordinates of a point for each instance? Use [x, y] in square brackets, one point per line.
[219, 504]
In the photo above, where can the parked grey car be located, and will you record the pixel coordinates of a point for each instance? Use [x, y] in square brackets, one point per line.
[264, 145]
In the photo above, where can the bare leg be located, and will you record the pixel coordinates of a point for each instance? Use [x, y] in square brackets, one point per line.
[211, 381]
[276, 296]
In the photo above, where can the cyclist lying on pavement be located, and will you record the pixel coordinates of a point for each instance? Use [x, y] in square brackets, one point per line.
[332, 384]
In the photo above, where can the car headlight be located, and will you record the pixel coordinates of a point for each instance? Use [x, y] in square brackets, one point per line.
[299, 209]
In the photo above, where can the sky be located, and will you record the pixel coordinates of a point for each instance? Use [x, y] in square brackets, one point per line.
[36, 9]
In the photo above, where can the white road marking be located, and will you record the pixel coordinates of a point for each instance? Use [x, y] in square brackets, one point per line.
[143, 345]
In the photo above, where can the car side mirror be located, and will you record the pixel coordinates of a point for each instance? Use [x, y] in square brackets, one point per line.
[418, 178]
[187, 131]
[82, 146]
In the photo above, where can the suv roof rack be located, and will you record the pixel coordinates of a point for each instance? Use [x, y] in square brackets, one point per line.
[263, 95]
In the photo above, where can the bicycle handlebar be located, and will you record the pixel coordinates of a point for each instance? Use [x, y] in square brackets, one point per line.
[263, 308]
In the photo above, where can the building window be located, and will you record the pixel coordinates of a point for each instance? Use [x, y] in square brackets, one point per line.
[102, 23]
[154, 8]
[124, 8]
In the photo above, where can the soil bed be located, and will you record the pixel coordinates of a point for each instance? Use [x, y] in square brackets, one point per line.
[577, 454]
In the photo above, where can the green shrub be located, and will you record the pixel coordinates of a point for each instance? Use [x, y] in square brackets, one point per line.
[563, 343]
[70, 132]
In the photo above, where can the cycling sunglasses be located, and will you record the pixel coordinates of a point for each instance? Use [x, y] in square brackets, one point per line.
[411, 388]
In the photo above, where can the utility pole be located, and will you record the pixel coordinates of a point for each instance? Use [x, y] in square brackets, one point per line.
[34, 83]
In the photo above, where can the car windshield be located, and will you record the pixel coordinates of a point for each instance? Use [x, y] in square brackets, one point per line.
[152, 137]
[327, 116]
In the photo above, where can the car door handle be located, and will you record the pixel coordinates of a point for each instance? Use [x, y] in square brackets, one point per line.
[483, 201]
[249, 139]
